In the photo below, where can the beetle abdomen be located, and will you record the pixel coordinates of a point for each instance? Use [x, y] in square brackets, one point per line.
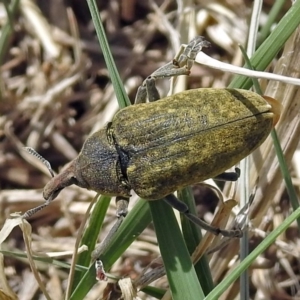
[190, 137]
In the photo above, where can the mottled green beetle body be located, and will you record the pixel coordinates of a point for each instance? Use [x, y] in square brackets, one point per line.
[189, 137]
[156, 148]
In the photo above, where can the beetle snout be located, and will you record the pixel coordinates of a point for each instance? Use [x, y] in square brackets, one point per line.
[276, 108]
[51, 190]
[66, 178]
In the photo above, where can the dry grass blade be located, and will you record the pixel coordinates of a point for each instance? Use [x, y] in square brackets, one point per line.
[6, 292]
[265, 172]
[26, 228]
[288, 131]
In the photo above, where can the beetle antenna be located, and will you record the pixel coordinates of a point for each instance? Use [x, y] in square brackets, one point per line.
[41, 158]
[34, 210]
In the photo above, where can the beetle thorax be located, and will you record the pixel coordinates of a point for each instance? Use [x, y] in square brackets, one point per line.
[98, 165]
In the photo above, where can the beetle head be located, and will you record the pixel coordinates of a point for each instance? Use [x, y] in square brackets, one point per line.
[97, 168]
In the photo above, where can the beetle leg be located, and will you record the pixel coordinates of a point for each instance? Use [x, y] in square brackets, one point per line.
[181, 65]
[241, 221]
[152, 91]
[122, 209]
[147, 90]
[103, 245]
[122, 206]
[187, 58]
[141, 95]
[229, 176]
[183, 208]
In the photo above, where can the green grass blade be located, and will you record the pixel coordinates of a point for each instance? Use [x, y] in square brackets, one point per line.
[270, 47]
[90, 235]
[112, 69]
[22, 256]
[272, 16]
[180, 271]
[221, 288]
[8, 29]
[154, 292]
[192, 236]
[134, 223]
[286, 174]
[281, 159]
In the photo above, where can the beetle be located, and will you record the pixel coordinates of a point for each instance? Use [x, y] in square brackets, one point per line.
[158, 147]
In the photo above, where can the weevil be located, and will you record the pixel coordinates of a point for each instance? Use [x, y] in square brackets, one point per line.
[158, 147]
